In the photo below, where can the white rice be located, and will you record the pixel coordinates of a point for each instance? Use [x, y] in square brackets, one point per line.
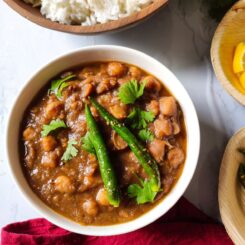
[88, 12]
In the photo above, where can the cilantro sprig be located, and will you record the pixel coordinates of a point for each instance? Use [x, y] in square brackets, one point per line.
[71, 151]
[130, 91]
[58, 85]
[87, 144]
[142, 192]
[53, 125]
[145, 135]
[139, 119]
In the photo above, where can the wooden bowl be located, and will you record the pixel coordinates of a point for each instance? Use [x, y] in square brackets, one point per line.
[34, 15]
[231, 192]
[229, 33]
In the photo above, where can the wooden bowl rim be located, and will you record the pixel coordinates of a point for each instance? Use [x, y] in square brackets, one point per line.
[86, 30]
[227, 212]
[215, 46]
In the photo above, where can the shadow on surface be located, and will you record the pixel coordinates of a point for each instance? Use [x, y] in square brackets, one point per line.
[204, 185]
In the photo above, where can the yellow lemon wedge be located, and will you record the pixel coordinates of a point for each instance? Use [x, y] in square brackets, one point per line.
[242, 80]
[238, 62]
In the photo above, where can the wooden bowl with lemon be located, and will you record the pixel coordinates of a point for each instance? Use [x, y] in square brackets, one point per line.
[228, 51]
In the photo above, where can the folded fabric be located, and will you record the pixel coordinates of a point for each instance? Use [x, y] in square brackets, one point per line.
[183, 224]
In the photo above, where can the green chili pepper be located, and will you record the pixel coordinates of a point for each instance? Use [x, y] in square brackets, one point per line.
[148, 163]
[106, 169]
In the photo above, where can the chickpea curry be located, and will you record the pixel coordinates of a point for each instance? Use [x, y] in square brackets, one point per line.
[103, 143]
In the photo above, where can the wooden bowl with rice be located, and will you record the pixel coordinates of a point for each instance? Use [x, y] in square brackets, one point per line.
[34, 14]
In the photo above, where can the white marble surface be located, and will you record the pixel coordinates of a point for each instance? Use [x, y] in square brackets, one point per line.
[178, 36]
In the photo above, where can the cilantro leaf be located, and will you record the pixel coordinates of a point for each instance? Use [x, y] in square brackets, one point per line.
[58, 85]
[139, 118]
[53, 125]
[87, 144]
[130, 91]
[142, 192]
[71, 151]
[62, 86]
[145, 135]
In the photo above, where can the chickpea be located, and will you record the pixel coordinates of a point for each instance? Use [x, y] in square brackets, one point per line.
[50, 159]
[101, 197]
[105, 85]
[53, 109]
[48, 143]
[157, 149]
[115, 69]
[152, 84]
[168, 106]
[163, 127]
[176, 157]
[176, 127]
[153, 107]
[90, 207]
[119, 111]
[86, 72]
[29, 133]
[87, 89]
[135, 72]
[117, 141]
[89, 182]
[123, 80]
[76, 105]
[64, 184]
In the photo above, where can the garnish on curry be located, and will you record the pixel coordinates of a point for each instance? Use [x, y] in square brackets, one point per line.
[103, 143]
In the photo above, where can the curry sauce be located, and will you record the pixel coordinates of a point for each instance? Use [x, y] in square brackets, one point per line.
[74, 187]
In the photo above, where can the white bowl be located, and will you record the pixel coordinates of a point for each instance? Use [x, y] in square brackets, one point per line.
[91, 54]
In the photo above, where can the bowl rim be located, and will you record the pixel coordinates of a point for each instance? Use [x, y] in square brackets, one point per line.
[113, 25]
[39, 206]
[215, 48]
[229, 189]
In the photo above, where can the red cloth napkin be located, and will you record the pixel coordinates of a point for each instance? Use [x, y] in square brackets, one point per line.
[183, 224]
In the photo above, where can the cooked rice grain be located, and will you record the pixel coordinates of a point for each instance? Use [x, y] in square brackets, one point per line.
[88, 12]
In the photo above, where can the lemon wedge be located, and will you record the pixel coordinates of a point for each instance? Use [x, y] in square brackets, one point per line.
[238, 62]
